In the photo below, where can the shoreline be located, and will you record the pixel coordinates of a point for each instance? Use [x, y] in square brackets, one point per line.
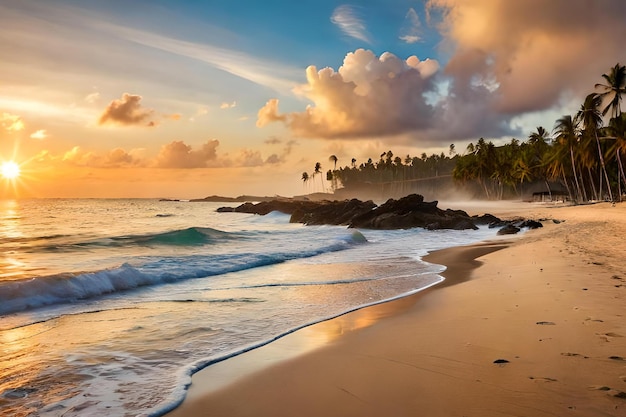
[410, 352]
[459, 262]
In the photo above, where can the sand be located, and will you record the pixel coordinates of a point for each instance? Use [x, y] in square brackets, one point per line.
[529, 326]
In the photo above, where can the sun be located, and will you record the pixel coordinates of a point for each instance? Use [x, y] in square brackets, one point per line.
[10, 170]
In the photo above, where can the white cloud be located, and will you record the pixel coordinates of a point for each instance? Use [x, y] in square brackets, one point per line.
[41, 134]
[226, 105]
[410, 38]
[412, 28]
[346, 19]
[263, 72]
[92, 98]
[368, 96]
[11, 122]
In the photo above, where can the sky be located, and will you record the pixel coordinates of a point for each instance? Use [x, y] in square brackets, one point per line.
[186, 99]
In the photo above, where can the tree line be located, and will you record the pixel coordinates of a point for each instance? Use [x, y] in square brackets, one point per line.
[582, 156]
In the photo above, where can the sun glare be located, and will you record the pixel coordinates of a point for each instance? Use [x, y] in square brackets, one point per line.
[10, 170]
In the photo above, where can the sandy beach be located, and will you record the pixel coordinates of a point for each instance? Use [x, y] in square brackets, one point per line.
[531, 325]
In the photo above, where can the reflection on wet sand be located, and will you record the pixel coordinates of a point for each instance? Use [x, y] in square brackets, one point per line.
[307, 339]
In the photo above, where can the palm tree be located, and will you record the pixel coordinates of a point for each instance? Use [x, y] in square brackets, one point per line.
[318, 170]
[555, 168]
[566, 130]
[537, 149]
[617, 132]
[305, 178]
[540, 136]
[614, 88]
[353, 162]
[333, 158]
[591, 118]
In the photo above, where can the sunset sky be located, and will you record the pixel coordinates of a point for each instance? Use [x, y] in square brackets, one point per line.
[185, 99]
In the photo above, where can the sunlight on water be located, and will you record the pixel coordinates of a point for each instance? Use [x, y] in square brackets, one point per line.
[103, 301]
[10, 220]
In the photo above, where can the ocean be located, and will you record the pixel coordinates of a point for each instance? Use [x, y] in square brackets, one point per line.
[107, 307]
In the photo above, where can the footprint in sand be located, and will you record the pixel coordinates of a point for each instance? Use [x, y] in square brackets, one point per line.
[594, 320]
[544, 379]
[611, 391]
[578, 355]
[611, 334]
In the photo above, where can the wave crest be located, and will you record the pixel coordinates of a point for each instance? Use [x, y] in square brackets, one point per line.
[64, 288]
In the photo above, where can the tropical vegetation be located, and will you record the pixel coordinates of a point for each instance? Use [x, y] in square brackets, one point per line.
[582, 158]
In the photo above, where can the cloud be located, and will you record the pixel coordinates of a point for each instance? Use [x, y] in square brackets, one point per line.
[368, 96]
[347, 20]
[11, 122]
[535, 53]
[200, 112]
[41, 134]
[273, 159]
[269, 113]
[273, 140]
[116, 158]
[76, 156]
[276, 158]
[177, 154]
[119, 157]
[226, 105]
[249, 158]
[267, 73]
[412, 28]
[92, 98]
[127, 111]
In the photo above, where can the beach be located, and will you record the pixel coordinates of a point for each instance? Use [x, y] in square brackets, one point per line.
[528, 326]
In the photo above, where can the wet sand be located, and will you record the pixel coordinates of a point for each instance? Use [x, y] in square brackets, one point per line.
[529, 326]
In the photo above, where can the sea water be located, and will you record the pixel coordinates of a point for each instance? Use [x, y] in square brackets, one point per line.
[108, 306]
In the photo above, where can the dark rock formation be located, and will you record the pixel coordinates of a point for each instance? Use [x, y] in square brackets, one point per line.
[529, 224]
[405, 213]
[308, 212]
[509, 229]
[412, 211]
[331, 212]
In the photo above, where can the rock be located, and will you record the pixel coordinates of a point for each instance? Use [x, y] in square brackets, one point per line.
[331, 212]
[486, 219]
[412, 211]
[498, 224]
[530, 224]
[407, 212]
[509, 229]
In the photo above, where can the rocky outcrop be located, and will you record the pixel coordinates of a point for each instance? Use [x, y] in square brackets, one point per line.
[412, 211]
[408, 212]
[331, 212]
[509, 229]
[308, 212]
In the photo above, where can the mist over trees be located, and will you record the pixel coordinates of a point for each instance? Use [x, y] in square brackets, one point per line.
[581, 158]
